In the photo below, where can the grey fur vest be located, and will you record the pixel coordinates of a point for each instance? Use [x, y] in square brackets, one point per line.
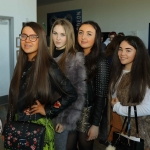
[76, 73]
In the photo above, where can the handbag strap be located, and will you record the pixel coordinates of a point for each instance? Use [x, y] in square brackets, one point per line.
[125, 119]
[136, 120]
[129, 119]
[128, 127]
[123, 124]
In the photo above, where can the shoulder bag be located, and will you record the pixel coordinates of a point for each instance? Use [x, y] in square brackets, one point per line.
[23, 135]
[127, 142]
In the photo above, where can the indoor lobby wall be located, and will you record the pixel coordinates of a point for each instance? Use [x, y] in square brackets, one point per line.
[130, 16]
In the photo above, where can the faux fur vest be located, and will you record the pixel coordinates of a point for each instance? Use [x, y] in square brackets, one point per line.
[143, 122]
[76, 73]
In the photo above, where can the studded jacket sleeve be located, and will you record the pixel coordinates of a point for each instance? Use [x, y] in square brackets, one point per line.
[101, 91]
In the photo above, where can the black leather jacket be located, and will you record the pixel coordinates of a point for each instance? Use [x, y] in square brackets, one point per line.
[68, 96]
[97, 91]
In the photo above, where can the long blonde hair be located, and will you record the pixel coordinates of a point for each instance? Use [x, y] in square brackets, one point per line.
[70, 44]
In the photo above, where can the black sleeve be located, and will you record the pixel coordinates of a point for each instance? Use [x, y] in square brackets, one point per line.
[68, 94]
[101, 91]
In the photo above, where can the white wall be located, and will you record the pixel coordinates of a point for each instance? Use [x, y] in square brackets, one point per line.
[21, 11]
[4, 59]
[112, 15]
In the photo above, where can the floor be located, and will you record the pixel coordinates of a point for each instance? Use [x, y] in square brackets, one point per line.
[98, 146]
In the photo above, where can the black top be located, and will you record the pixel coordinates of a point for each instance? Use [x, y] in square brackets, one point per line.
[97, 91]
[67, 92]
[58, 52]
[24, 78]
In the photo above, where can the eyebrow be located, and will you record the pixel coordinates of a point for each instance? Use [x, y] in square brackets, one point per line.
[60, 33]
[28, 34]
[126, 48]
[86, 31]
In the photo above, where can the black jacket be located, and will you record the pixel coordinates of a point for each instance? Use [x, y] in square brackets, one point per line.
[97, 91]
[76, 73]
[68, 95]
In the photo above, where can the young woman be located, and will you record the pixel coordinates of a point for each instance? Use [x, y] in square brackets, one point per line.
[89, 41]
[35, 80]
[130, 85]
[71, 63]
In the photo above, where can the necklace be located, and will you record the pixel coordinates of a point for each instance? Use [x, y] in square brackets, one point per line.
[24, 74]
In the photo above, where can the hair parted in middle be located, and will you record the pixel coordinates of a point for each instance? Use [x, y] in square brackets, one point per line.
[37, 81]
[140, 70]
[95, 53]
[70, 44]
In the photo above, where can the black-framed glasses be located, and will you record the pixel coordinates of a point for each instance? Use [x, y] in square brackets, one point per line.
[32, 37]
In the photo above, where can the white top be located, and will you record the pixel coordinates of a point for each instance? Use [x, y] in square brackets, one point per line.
[143, 109]
[107, 41]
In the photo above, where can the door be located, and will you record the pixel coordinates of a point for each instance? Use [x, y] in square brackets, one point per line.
[4, 57]
[6, 54]
[6, 65]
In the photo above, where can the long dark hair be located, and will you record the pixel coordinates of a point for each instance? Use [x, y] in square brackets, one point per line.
[94, 56]
[38, 81]
[140, 70]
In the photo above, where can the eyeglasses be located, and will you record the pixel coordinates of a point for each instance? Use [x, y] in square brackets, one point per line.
[32, 37]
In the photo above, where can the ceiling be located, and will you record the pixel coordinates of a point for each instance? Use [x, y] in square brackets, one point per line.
[46, 2]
